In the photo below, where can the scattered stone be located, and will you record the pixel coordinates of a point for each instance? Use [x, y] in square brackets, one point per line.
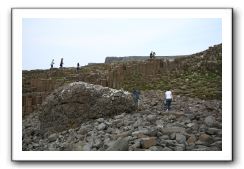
[179, 114]
[203, 128]
[152, 132]
[100, 120]
[148, 142]
[53, 137]
[151, 118]
[180, 147]
[213, 131]
[87, 147]
[101, 126]
[209, 121]
[137, 144]
[82, 130]
[171, 130]
[119, 116]
[204, 139]
[216, 139]
[201, 148]
[190, 147]
[180, 138]
[172, 136]
[140, 133]
[120, 145]
[190, 125]
[156, 148]
[122, 135]
[164, 137]
[191, 139]
[167, 149]
[217, 144]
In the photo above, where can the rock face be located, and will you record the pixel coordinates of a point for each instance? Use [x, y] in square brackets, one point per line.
[62, 113]
[148, 129]
[138, 58]
[120, 145]
[197, 75]
[70, 105]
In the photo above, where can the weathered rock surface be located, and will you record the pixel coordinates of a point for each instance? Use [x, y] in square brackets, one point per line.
[198, 75]
[120, 145]
[70, 105]
[149, 129]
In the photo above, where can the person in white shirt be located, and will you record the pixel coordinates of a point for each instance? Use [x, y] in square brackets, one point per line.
[169, 99]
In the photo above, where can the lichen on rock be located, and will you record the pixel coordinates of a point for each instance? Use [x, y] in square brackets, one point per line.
[76, 102]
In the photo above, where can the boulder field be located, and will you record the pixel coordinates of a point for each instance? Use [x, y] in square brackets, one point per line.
[85, 117]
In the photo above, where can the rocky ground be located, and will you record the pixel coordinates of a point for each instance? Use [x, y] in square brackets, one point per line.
[191, 125]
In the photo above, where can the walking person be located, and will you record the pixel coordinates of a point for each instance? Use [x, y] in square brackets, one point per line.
[61, 63]
[52, 63]
[151, 54]
[136, 97]
[169, 98]
[78, 66]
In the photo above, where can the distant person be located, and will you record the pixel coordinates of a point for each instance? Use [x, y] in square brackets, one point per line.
[78, 66]
[151, 54]
[169, 99]
[52, 63]
[61, 63]
[136, 97]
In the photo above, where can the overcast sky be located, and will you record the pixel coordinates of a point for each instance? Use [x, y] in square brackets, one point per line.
[92, 40]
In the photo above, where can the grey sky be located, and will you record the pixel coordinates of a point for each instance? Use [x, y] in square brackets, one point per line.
[91, 40]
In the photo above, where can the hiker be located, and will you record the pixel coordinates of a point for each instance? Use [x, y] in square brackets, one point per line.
[136, 97]
[169, 99]
[151, 54]
[61, 63]
[78, 66]
[52, 63]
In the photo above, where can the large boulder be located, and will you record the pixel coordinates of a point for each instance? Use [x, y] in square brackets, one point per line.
[70, 105]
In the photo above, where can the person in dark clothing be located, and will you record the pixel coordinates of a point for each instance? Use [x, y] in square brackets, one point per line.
[151, 54]
[61, 63]
[78, 66]
[52, 63]
[136, 97]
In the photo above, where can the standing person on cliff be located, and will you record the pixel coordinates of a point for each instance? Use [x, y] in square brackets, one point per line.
[61, 63]
[52, 63]
[152, 55]
[169, 98]
[78, 66]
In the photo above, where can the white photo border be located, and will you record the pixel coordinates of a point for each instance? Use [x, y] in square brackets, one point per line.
[17, 14]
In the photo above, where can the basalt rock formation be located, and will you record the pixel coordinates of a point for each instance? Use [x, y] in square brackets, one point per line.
[92, 109]
[198, 76]
[191, 125]
[113, 59]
